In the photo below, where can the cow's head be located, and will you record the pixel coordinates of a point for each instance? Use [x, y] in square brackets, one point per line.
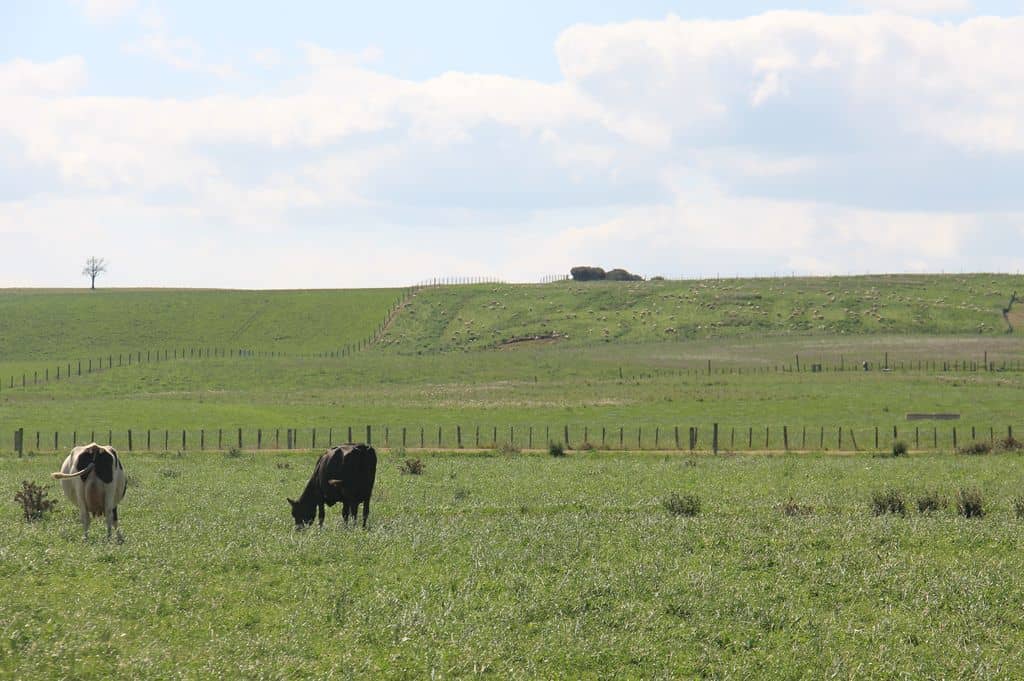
[302, 514]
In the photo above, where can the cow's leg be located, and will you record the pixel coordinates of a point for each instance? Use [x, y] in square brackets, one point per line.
[346, 509]
[366, 511]
[320, 513]
[83, 516]
[112, 524]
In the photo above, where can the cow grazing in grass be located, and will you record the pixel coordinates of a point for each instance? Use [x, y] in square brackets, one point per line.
[93, 479]
[344, 474]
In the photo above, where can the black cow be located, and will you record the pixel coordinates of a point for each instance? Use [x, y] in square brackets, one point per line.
[346, 474]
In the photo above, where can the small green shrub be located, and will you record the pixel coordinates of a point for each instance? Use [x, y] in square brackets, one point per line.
[234, 453]
[686, 505]
[975, 448]
[931, 501]
[587, 447]
[792, 509]
[282, 465]
[1018, 507]
[969, 503]
[170, 473]
[411, 467]
[899, 448]
[556, 449]
[508, 449]
[33, 501]
[888, 501]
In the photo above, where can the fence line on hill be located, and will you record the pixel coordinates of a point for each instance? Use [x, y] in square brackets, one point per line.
[106, 361]
[712, 438]
[80, 367]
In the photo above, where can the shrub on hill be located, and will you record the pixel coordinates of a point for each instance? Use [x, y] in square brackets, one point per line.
[622, 275]
[588, 273]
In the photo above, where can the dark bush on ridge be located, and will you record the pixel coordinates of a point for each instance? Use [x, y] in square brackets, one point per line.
[587, 273]
[888, 501]
[687, 505]
[622, 275]
[556, 449]
[969, 503]
[899, 448]
[975, 448]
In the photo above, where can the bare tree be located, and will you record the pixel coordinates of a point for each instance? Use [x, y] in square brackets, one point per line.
[94, 267]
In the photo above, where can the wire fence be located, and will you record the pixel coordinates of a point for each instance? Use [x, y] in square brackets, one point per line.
[714, 438]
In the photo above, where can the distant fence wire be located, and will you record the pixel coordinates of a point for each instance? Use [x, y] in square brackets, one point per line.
[884, 362]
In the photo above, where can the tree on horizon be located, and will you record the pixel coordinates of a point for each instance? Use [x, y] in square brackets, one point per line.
[93, 268]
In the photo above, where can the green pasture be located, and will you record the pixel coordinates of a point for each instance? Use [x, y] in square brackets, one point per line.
[483, 316]
[653, 389]
[522, 566]
[72, 324]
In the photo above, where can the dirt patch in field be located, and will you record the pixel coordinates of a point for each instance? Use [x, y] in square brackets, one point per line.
[539, 339]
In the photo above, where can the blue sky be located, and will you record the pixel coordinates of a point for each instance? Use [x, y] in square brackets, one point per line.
[258, 145]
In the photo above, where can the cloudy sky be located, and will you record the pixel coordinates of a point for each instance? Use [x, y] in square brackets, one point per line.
[263, 144]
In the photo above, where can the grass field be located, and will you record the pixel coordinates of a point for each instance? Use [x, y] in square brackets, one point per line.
[450, 318]
[523, 567]
[70, 324]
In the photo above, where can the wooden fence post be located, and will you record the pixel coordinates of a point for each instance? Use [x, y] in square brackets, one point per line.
[202, 439]
[714, 439]
[149, 445]
[167, 435]
[183, 443]
[529, 444]
[567, 437]
[129, 439]
[458, 436]
[369, 434]
[259, 436]
[403, 437]
[439, 437]
[239, 438]
[785, 437]
[422, 439]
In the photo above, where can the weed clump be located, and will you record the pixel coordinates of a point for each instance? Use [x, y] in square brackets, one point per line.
[234, 453]
[556, 449]
[508, 448]
[791, 509]
[1009, 444]
[282, 465]
[34, 503]
[411, 467]
[931, 501]
[899, 448]
[975, 448]
[969, 503]
[687, 505]
[888, 501]
[1018, 507]
[587, 447]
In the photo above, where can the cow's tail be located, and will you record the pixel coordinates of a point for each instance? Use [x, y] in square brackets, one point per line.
[64, 476]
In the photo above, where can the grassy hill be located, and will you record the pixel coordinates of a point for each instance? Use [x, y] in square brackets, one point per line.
[485, 316]
[64, 324]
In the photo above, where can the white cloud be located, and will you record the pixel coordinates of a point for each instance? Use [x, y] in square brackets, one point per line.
[917, 7]
[61, 77]
[785, 140]
[105, 10]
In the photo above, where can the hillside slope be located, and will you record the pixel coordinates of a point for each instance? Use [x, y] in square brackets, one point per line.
[44, 324]
[469, 317]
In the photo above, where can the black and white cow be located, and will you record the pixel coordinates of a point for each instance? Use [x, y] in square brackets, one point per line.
[344, 474]
[93, 479]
